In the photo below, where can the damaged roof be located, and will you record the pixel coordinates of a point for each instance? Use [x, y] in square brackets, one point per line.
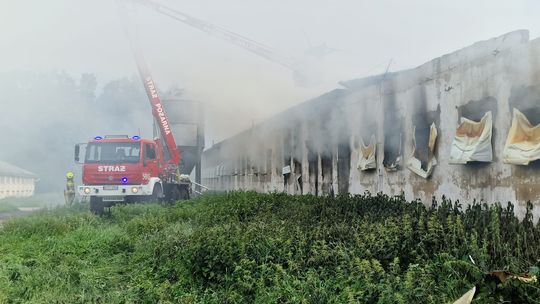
[14, 171]
[425, 72]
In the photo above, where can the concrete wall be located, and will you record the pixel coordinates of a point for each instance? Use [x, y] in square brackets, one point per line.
[319, 139]
[16, 186]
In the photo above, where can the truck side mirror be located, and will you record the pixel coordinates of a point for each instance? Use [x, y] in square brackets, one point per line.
[77, 151]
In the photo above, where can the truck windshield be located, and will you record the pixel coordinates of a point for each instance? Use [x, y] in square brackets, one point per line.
[113, 152]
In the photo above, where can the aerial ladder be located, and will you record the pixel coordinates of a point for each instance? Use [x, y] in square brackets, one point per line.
[243, 42]
[122, 168]
[158, 111]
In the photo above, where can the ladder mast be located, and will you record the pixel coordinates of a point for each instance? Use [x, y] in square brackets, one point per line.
[224, 34]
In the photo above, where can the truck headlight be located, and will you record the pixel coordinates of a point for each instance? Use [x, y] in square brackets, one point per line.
[135, 190]
[87, 190]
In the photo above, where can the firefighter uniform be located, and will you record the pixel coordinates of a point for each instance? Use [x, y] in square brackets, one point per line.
[69, 193]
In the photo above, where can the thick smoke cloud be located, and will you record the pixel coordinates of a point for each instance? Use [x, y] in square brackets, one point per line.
[44, 113]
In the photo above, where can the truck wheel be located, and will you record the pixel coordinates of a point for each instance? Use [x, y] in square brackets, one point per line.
[156, 193]
[184, 193]
[174, 195]
[96, 205]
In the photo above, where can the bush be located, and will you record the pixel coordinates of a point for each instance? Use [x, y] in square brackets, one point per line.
[266, 248]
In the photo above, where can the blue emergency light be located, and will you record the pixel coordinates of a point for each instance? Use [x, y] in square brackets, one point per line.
[98, 138]
[136, 137]
[124, 180]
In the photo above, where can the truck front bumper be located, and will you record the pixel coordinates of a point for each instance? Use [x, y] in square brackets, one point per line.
[114, 192]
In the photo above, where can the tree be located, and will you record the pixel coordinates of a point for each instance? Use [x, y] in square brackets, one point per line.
[87, 87]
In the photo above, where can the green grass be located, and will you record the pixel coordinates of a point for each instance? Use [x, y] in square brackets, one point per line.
[268, 248]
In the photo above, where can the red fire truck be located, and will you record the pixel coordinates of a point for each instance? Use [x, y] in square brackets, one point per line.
[129, 169]
[120, 168]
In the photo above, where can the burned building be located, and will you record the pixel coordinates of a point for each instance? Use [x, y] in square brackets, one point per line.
[463, 125]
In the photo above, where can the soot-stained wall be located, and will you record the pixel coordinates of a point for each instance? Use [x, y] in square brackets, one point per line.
[318, 139]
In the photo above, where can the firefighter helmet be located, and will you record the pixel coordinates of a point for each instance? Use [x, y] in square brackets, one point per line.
[69, 174]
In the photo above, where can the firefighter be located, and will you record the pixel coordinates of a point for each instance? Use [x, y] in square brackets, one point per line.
[69, 193]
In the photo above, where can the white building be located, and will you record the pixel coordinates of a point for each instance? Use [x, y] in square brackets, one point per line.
[16, 182]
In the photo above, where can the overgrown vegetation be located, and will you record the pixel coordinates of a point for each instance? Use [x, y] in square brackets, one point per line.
[270, 248]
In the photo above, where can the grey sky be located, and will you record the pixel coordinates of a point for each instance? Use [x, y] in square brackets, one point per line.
[85, 36]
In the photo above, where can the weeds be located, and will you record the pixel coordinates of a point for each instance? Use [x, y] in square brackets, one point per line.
[245, 247]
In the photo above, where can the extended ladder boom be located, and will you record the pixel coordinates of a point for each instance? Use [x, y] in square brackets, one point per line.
[214, 30]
